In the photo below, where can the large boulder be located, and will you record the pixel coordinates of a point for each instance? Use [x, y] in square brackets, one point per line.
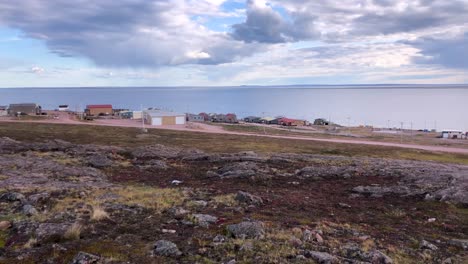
[51, 231]
[12, 197]
[253, 230]
[247, 198]
[99, 161]
[204, 220]
[238, 170]
[166, 249]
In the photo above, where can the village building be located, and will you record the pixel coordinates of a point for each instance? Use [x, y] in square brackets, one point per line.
[24, 109]
[63, 108]
[195, 118]
[159, 118]
[290, 122]
[126, 114]
[219, 118]
[99, 110]
[137, 115]
[321, 122]
[453, 134]
[266, 120]
[206, 116]
[3, 110]
[252, 119]
[231, 118]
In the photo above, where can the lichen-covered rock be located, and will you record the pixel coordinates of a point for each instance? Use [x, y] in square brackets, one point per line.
[85, 258]
[12, 197]
[247, 198]
[28, 210]
[461, 243]
[166, 248]
[321, 257]
[156, 151]
[99, 161]
[204, 220]
[377, 257]
[253, 230]
[51, 231]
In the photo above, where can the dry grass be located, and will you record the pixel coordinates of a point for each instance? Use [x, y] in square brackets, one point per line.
[73, 232]
[120, 136]
[158, 199]
[99, 214]
[31, 243]
[225, 199]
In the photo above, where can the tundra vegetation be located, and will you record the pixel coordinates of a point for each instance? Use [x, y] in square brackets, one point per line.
[84, 194]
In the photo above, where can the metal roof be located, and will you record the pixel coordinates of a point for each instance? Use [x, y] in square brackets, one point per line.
[99, 106]
[158, 113]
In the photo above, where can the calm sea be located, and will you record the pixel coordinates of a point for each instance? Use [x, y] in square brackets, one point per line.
[382, 106]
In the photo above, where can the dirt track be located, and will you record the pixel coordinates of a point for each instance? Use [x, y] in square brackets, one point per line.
[205, 128]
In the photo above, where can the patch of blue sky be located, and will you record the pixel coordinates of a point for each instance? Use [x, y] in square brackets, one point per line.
[14, 44]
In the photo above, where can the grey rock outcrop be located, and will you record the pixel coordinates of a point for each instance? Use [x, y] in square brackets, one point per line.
[166, 248]
[252, 230]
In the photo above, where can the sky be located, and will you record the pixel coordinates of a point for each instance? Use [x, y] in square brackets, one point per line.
[62, 43]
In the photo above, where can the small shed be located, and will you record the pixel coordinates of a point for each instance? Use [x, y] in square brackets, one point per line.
[3, 110]
[453, 134]
[137, 115]
[160, 118]
[25, 109]
[195, 118]
[97, 110]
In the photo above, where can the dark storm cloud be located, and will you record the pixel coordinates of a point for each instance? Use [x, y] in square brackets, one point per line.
[265, 25]
[451, 53]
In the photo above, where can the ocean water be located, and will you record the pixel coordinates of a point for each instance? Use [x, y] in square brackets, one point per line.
[381, 106]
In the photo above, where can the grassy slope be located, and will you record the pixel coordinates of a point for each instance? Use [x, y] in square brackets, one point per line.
[120, 136]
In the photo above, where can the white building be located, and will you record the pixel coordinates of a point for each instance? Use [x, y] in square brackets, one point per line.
[159, 118]
[453, 134]
[137, 115]
[3, 110]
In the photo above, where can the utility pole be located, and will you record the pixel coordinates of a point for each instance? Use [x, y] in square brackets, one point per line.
[388, 124]
[401, 132]
[142, 120]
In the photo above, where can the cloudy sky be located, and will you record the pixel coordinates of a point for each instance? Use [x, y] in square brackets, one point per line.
[233, 42]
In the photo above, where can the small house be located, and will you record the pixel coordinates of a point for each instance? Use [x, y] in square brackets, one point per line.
[453, 134]
[231, 118]
[99, 110]
[220, 118]
[126, 114]
[321, 122]
[252, 119]
[206, 116]
[195, 118]
[63, 108]
[24, 109]
[266, 120]
[3, 110]
[159, 118]
[287, 122]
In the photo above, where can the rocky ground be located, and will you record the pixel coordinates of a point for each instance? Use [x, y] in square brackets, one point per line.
[67, 203]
